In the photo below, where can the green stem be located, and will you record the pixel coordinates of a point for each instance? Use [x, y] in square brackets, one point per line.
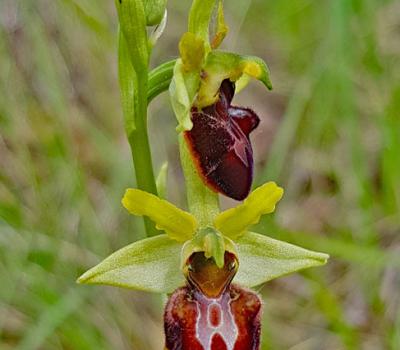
[203, 203]
[140, 147]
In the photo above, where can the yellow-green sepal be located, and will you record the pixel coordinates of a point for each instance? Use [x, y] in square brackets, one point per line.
[222, 65]
[235, 222]
[151, 265]
[177, 223]
[263, 259]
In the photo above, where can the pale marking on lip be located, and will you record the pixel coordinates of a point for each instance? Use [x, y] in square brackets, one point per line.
[227, 327]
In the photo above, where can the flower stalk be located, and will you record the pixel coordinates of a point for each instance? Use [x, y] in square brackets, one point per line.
[133, 75]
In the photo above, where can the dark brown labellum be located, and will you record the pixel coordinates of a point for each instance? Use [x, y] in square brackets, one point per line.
[219, 143]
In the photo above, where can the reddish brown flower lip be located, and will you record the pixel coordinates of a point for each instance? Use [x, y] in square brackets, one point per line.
[210, 313]
[220, 146]
[230, 322]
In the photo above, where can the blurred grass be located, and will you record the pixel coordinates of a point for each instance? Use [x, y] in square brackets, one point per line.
[330, 135]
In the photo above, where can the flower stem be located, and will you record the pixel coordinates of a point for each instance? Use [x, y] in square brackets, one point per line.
[140, 147]
[203, 203]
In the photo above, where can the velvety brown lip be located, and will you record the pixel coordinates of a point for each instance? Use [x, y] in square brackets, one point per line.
[182, 314]
[220, 146]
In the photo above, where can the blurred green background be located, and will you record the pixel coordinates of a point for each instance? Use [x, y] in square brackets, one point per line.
[330, 135]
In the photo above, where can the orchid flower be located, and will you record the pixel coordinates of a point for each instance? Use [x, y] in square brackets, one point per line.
[202, 261]
[206, 260]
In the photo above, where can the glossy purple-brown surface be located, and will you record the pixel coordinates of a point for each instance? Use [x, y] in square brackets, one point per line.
[219, 143]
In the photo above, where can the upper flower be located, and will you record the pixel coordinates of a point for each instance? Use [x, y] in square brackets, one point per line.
[217, 133]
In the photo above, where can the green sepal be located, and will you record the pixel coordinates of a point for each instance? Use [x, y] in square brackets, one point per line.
[222, 65]
[263, 259]
[154, 10]
[151, 265]
[209, 241]
[159, 79]
[127, 81]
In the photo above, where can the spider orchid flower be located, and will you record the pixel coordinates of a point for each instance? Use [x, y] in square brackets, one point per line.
[207, 269]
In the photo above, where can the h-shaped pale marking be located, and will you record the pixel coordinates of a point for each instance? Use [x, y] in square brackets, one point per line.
[226, 328]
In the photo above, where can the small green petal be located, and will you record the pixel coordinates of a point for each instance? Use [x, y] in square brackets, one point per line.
[199, 19]
[191, 49]
[235, 221]
[178, 224]
[221, 65]
[182, 91]
[222, 28]
[151, 264]
[263, 259]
